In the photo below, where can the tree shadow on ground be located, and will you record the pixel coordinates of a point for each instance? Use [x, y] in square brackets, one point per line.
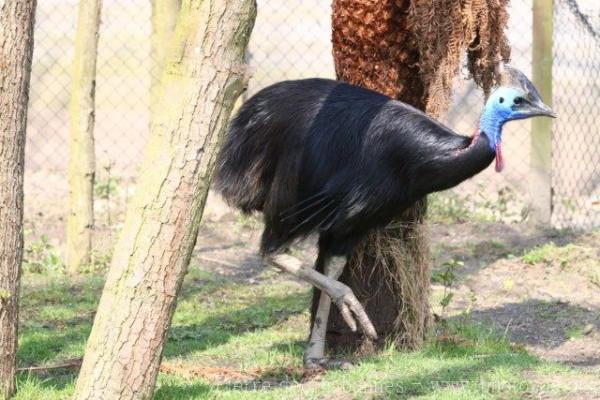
[545, 324]
[47, 341]
[480, 245]
[218, 329]
[472, 367]
[468, 376]
[475, 358]
[47, 348]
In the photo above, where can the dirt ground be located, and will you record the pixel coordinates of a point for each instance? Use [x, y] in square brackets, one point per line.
[538, 287]
[549, 304]
[542, 288]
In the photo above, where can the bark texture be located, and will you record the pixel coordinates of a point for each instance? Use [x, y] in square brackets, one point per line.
[16, 49]
[408, 50]
[164, 17]
[82, 161]
[203, 76]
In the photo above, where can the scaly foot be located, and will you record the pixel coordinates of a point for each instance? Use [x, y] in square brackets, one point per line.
[350, 308]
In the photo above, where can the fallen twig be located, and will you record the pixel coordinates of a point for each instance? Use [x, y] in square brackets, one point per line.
[74, 363]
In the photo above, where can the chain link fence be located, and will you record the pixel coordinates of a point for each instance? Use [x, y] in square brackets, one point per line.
[292, 40]
[576, 134]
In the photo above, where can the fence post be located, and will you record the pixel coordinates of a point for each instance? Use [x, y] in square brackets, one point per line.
[541, 128]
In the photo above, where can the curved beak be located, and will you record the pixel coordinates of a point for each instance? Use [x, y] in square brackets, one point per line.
[534, 109]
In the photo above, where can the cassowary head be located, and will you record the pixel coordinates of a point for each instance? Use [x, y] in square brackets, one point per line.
[515, 98]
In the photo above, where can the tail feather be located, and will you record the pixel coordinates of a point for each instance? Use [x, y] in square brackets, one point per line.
[247, 161]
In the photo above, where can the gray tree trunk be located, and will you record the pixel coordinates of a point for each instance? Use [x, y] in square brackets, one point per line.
[16, 49]
[82, 161]
[203, 76]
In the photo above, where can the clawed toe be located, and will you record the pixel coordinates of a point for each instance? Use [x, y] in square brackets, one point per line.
[352, 311]
[326, 363]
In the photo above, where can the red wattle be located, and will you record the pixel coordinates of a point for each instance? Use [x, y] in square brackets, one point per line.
[499, 159]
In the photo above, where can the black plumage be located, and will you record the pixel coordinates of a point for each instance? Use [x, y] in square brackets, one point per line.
[321, 156]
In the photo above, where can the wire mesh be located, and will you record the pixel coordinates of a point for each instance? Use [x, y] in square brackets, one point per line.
[292, 40]
[576, 139]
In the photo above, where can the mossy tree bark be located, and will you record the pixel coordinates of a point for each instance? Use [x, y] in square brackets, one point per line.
[164, 17]
[16, 49]
[409, 50]
[82, 159]
[203, 76]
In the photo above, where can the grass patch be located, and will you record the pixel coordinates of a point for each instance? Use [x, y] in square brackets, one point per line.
[575, 332]
[450, 207]
[447, 208]
[552, 255]
[40, 256]
[239, 340]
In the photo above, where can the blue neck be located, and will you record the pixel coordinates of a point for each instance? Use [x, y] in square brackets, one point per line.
[491, 124]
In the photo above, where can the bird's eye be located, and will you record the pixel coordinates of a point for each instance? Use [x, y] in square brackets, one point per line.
[501, 100]
[518, 100]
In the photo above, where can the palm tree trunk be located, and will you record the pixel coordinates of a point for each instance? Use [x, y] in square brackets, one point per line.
[409, 50]
[16, 49]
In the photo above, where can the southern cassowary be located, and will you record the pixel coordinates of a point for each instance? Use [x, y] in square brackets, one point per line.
[325, 157]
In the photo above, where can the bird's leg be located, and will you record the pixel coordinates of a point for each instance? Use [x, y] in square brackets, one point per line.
[340, 294]
[314, 357]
